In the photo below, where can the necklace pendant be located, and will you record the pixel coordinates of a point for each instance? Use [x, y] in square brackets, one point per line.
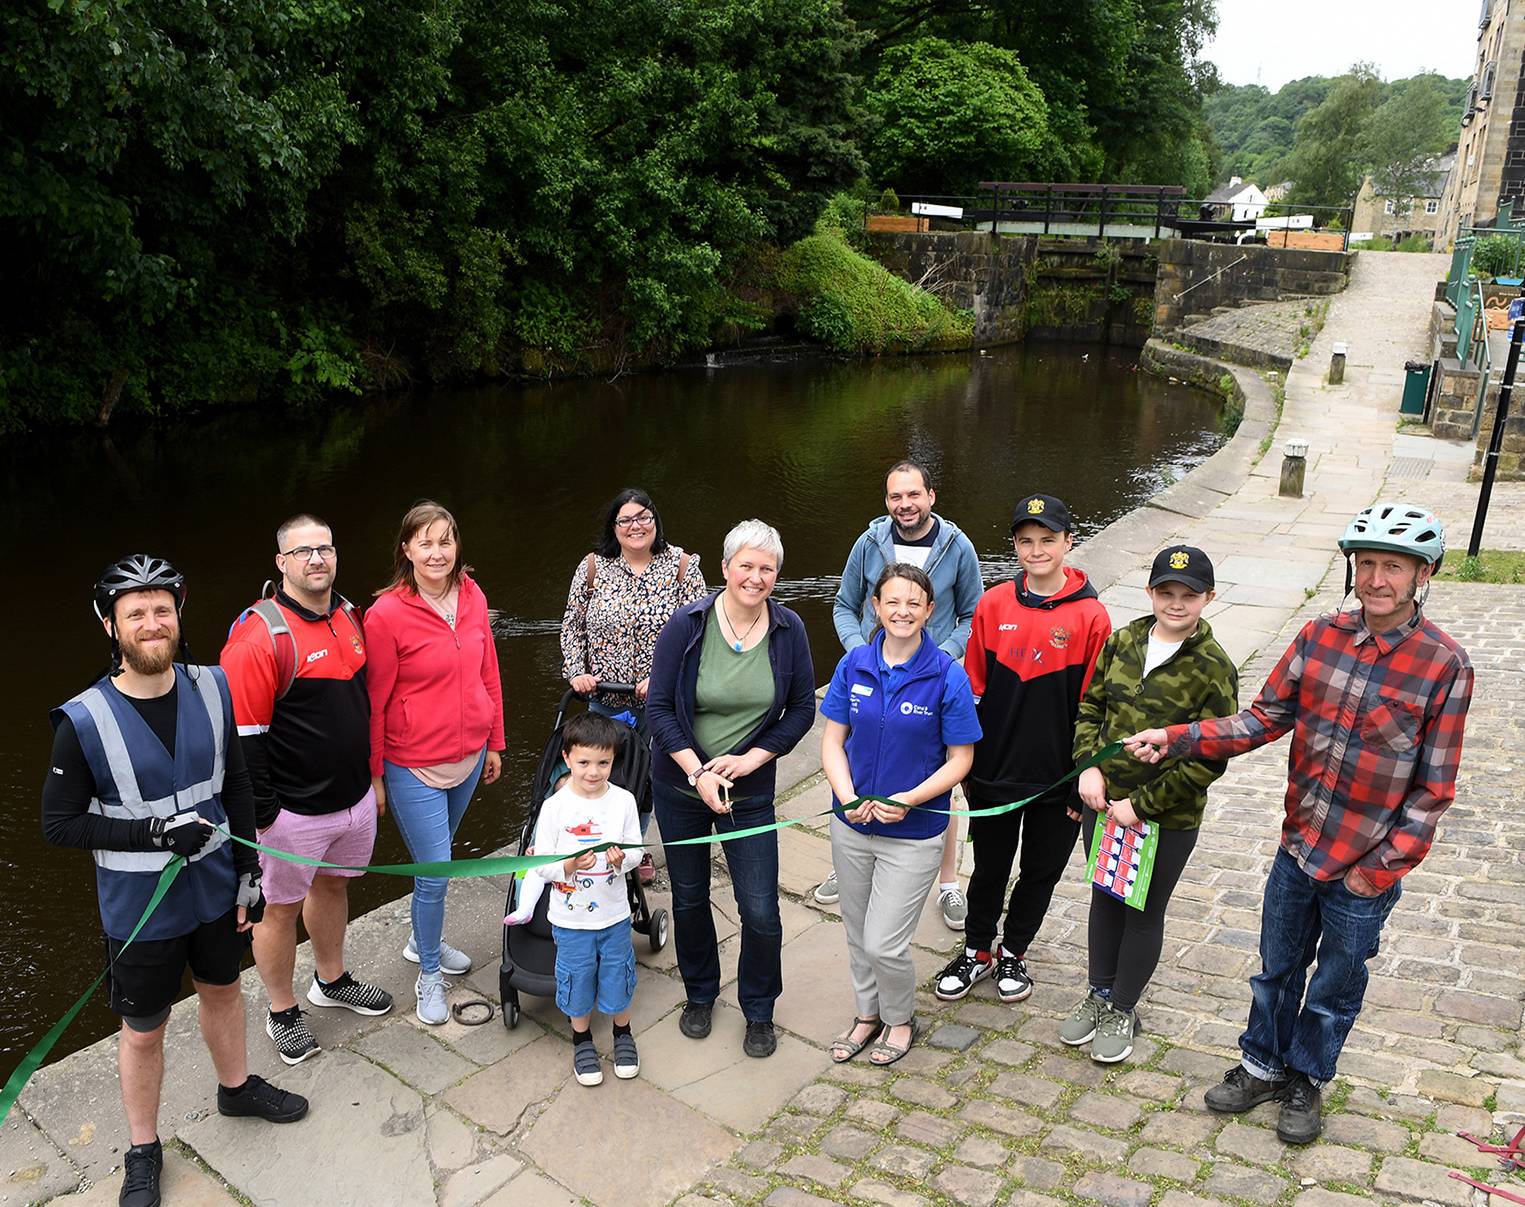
[738, 647]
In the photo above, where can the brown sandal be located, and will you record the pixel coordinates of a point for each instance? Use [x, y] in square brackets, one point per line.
[850, 1047]
[893, 1052]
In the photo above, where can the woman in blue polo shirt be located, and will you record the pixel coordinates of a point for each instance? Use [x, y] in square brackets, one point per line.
[900, 723]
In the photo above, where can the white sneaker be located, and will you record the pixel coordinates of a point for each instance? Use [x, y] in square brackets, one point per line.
[456, 963]
[430, 989]
[826, 892]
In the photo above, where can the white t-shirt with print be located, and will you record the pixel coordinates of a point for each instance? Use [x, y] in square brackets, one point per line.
[569, 823]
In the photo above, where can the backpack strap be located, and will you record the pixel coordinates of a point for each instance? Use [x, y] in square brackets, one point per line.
[282, 640]
[592, 570]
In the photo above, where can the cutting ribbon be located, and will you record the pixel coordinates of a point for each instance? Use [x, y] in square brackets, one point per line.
[470, 869]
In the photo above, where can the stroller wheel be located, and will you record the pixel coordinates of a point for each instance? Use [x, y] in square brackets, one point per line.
[511, 1015]
[658, 932]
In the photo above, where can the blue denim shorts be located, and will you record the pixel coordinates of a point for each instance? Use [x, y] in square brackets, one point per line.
[595, 969]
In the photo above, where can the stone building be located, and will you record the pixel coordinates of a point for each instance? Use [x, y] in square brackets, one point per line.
[1490, 156]
[1399, 217]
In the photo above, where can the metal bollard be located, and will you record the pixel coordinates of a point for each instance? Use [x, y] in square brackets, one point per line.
[1294, 466]
[1337, 363]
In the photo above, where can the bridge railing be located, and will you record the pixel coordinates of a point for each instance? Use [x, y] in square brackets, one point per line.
[1137, 211]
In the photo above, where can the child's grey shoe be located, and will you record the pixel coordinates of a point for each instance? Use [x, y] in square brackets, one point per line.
[627, 1062]
[1113, 1040]
[586, 1065]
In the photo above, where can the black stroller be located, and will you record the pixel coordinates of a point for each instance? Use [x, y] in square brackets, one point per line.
[529, 951]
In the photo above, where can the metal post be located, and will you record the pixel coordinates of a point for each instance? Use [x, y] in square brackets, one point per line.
[1048, 208]
[1496, 437]
[1101, 225]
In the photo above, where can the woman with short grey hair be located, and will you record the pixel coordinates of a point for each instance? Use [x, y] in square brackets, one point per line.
[732, 689]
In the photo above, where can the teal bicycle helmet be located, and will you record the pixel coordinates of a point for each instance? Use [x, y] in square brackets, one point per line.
[1397, 528]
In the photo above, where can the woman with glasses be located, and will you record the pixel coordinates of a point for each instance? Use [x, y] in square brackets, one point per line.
[436, 719]
[622, 594]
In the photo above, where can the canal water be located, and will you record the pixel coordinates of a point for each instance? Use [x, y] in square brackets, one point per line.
[527, 472]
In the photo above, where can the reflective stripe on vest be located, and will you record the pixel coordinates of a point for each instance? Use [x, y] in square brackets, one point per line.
[103, 742]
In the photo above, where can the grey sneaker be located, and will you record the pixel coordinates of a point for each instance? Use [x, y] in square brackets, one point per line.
[1081, 1024]
[627, 1061]
[456, 963]
[430, 989]
[1114, 1035]
[955, 908]
[826, 892]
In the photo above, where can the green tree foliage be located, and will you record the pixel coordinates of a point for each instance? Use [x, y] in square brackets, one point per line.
[1255, 128]
[1328, 160]
[1403, 136]
[1121, 78]
[951, 114]
[278, 198]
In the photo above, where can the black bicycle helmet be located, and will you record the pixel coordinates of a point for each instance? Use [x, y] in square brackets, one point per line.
[137, 572]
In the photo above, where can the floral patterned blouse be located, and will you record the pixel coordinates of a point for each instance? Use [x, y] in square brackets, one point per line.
[612, 631]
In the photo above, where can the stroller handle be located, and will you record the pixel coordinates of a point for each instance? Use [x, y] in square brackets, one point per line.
[613, 689]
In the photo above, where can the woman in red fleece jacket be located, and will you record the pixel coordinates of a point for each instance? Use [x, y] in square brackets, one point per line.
[436, 718]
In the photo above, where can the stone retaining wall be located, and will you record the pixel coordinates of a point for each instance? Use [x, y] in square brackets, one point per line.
[967, 269]
[1195, 277]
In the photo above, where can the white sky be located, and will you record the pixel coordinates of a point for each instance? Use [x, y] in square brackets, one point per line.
[1273, 41]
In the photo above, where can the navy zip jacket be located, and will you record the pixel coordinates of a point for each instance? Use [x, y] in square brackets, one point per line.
[675, 672]
[900, 722]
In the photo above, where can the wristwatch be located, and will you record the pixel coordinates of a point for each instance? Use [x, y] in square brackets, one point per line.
[695, 776]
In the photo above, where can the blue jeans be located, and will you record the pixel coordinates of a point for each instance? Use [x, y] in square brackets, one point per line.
[1303, 918]
[753, 864]
[428, 818]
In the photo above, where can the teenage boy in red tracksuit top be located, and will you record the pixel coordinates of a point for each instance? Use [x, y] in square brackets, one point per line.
[1031, 651]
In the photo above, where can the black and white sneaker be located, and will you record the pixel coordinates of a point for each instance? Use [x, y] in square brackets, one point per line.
[1012, 984]
[959, 977]
[292, 1039]
[350, 994]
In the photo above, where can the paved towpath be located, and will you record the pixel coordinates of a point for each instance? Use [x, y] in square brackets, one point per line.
[992, 1110]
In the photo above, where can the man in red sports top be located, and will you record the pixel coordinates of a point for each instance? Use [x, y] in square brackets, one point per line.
[304, 723]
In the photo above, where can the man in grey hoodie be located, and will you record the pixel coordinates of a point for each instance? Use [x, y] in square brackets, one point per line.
[912, 532]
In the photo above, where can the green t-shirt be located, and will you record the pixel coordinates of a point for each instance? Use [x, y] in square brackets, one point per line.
[734, 692]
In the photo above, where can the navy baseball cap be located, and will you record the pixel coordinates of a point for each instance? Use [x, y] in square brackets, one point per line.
[1045, 510]
[1184, 564]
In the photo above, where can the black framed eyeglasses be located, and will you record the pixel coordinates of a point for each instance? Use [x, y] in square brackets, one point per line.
[644, 520]
[304, 552]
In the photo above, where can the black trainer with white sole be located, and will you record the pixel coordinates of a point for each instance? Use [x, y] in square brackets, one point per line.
[961, 974]
[1012, 982]
[350, 994]
[289, 1030]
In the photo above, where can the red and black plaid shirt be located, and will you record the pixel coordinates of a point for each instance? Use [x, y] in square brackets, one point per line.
[1376, 721]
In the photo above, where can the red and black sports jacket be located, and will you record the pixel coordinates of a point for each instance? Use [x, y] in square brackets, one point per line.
[1029, 659]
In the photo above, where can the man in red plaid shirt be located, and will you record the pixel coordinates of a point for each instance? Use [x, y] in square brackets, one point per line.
[1376, 701]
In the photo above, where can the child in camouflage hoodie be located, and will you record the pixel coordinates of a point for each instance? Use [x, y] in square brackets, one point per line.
[1162, 665]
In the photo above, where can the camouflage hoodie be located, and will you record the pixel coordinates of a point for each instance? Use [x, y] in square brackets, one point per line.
[1198, 681]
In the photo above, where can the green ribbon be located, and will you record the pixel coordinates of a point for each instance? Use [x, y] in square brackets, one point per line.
[32, 1061]
[487, 865]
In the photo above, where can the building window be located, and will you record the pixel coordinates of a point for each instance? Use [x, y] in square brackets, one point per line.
[1387, 206]
[1432, 206]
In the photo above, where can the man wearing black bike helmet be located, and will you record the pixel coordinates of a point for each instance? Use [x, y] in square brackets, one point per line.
[1376, 701]
[145, 762]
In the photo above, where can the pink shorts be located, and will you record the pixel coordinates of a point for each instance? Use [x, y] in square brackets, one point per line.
[348, 836]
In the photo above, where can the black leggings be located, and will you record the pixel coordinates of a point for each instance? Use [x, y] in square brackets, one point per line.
[1125, 943]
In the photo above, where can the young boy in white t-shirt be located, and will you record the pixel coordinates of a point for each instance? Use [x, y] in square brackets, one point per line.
[589, 906]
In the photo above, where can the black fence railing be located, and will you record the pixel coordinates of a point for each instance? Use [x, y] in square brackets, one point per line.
[1137, 211]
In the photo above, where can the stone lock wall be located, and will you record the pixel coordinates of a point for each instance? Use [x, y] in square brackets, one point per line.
[1024, 286]
[969, 270]
[1511, 466]
[1195, 277]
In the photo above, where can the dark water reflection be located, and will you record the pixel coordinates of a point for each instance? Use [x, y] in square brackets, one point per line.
[526, 471]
